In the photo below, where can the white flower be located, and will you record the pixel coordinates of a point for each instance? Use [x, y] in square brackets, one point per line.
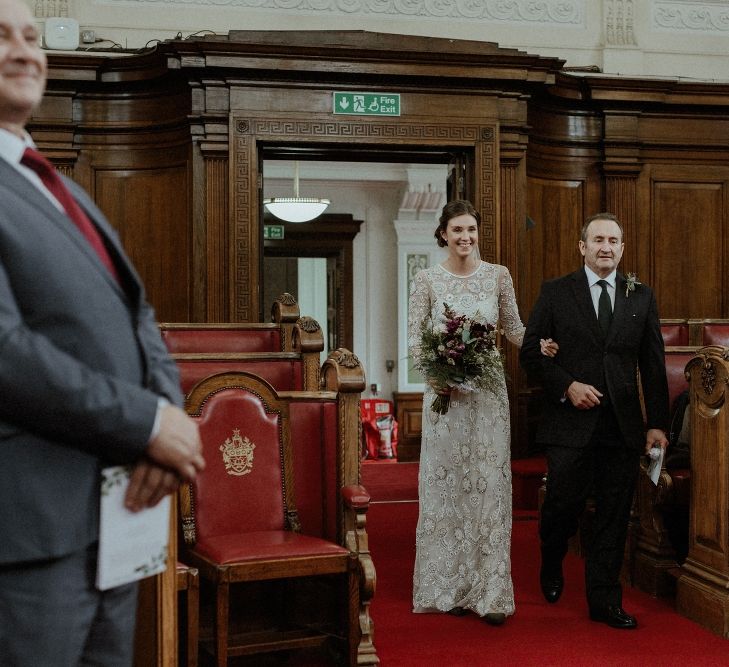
[631, 282]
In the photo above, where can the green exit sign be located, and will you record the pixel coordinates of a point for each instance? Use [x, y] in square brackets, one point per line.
[367, 104]
[273, 232]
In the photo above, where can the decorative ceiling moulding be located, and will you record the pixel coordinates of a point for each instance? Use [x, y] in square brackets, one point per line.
[706, 17]
[544, 12]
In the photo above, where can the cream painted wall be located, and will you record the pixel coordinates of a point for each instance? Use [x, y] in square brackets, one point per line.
[669, 38]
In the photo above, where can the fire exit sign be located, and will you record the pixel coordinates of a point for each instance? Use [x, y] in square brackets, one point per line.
[273, 232]
[367, 104]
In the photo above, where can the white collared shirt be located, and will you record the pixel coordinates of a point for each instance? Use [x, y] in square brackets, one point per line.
[596, 290]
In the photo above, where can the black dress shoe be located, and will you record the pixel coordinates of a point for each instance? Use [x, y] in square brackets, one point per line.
[495, 618]
[552, 583]
[457, 611]
[615, 617]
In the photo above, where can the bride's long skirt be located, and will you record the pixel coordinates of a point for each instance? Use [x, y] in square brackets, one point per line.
[463, 536]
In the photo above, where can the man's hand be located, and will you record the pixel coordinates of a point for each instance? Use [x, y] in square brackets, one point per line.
[148, 484]
[655, 438]
[548, 347]
[583, 396]
[177, 446]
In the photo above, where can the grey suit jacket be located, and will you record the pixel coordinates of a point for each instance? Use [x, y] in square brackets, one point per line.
[82, 366]
[565, 312]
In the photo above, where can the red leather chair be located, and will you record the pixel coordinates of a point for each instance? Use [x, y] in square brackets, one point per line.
[241, 522]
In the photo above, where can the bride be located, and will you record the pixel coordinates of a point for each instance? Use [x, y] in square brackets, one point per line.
[463, 536]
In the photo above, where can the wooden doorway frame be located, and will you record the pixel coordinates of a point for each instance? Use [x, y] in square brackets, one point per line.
[249, 134]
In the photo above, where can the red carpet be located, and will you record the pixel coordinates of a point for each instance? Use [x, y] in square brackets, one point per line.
[538, 634]
[388, 480]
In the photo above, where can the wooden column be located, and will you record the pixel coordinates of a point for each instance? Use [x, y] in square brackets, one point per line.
[703, 589]
[211, 286]
[512, 185]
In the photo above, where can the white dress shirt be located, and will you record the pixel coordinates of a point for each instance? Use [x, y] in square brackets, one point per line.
[596, 290]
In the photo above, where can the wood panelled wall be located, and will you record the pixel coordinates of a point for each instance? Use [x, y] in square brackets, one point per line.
[655, 154]
[169, 142]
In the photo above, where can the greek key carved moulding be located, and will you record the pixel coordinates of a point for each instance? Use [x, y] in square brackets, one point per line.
[247, 131]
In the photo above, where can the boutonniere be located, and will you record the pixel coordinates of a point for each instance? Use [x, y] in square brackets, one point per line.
[631, 282]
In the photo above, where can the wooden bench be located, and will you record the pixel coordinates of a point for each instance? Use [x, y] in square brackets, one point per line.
[654, 563]
[274, 336]
[288, 358]
[703, 588]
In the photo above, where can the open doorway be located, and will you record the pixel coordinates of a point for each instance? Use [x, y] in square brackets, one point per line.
[342, 267]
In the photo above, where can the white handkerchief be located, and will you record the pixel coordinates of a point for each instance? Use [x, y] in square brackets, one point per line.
[132, 545]
[654, 468]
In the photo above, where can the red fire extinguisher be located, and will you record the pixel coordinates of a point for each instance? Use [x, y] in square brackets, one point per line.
[379, 428]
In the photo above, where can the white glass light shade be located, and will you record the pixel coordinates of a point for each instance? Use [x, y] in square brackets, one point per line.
[296, 209]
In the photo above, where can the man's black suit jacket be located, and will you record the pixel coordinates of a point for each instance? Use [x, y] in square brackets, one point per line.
[565, 313]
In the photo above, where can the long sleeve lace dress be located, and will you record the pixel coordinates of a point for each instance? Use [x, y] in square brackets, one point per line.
[463, 534]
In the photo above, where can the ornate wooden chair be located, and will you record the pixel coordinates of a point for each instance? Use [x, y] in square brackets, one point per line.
[242, 527]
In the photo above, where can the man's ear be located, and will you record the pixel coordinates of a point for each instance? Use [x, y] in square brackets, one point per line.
[582, 247]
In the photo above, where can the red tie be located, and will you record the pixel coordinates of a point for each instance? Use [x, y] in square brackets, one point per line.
[47, 173]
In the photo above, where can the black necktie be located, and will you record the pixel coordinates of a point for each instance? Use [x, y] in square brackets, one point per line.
[604, 308]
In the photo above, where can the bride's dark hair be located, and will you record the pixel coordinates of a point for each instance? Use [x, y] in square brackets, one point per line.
[452, 210]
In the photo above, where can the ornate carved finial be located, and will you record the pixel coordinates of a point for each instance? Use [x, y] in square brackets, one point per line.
[286, 299]
[345, 358]
[308, 324]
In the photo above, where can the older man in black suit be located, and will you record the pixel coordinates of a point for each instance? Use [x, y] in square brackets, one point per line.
[592, 425]
[85, 382]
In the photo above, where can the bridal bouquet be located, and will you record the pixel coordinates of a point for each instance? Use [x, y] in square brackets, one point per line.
[461, 355]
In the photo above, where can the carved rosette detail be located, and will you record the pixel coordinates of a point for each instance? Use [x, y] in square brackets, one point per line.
[308, 324]
[242, 126]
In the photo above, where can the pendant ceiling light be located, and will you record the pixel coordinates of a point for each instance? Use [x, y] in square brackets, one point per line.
[296, 209]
